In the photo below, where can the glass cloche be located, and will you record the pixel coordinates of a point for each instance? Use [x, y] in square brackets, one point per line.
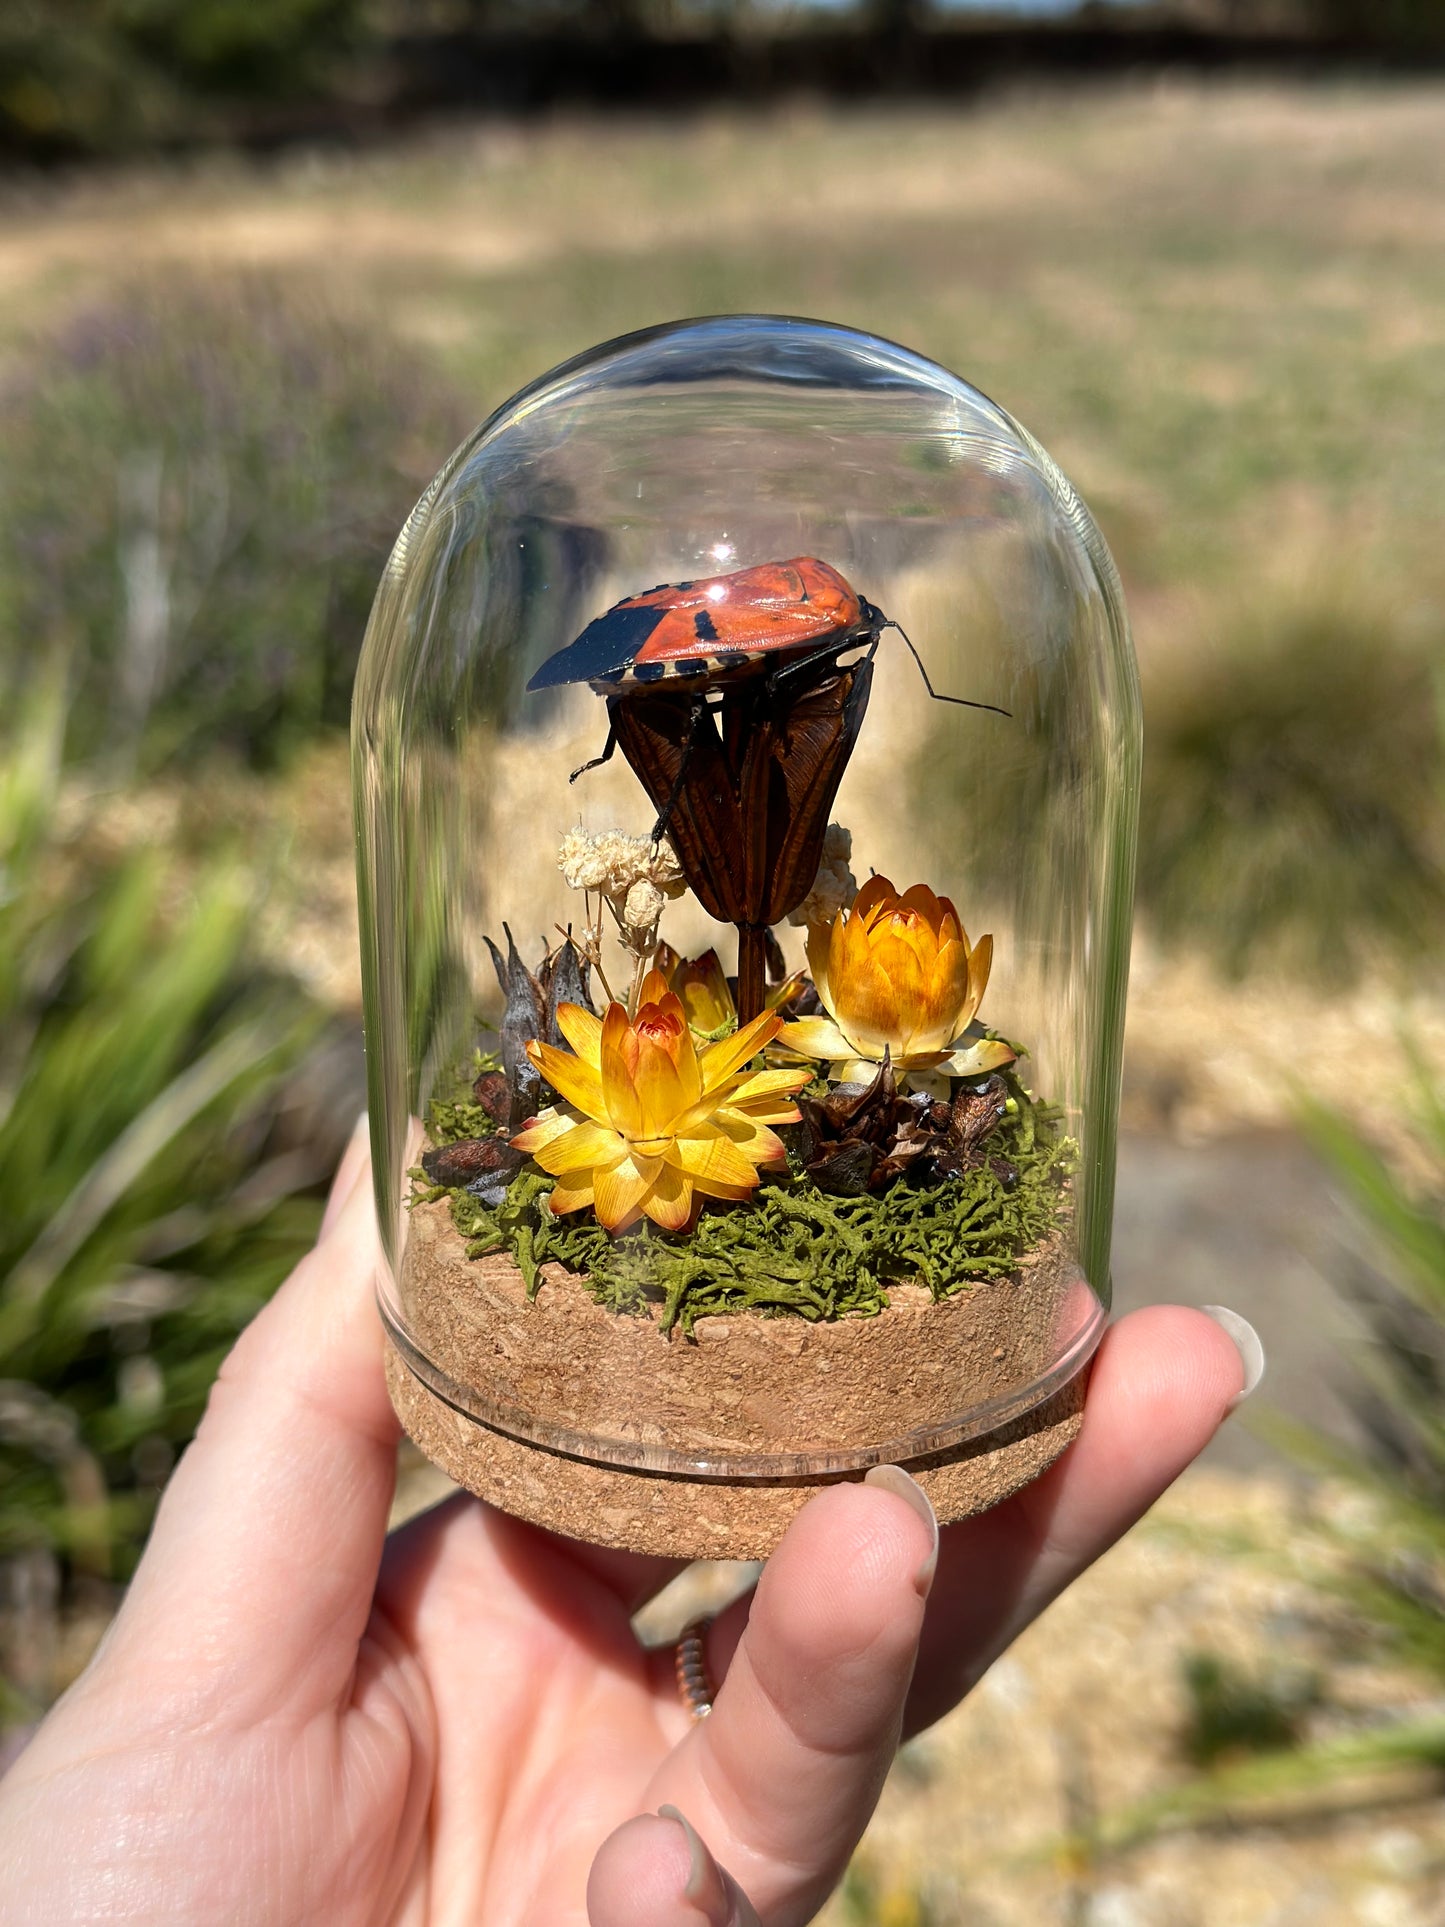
[746, 750]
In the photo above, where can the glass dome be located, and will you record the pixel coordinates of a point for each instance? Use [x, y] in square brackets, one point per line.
[744, 957]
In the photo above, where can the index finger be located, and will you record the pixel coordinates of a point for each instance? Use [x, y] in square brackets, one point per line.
[1164, 1379]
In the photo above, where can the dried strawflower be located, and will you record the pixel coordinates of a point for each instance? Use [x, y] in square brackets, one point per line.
[702, 985]
[650, 1126]
[707, 993]
[898, 976]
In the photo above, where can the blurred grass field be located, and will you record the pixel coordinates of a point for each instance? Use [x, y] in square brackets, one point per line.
[1218, 307]
[1221, 307]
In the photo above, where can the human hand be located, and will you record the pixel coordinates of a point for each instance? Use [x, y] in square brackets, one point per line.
[294, 1719]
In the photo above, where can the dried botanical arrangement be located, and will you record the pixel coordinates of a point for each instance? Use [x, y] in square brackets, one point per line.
[692, 1143]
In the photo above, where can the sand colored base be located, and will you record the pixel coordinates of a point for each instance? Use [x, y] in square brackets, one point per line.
[681, 1518]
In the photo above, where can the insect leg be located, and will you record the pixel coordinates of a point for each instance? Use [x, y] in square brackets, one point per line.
[777, 677]
[695, 716]
[597, 761]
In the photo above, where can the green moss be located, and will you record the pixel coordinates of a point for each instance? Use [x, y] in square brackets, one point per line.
[795, 1250]
[450, 1120]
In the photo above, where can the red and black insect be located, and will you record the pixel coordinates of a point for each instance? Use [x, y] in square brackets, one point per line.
[775, 617]
[733, 704]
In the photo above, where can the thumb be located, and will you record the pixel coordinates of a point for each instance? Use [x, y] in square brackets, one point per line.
[259, 1576]
[656, 1871]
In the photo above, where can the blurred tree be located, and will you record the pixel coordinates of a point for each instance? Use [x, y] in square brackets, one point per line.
[266, 47]
[898, 16]
[199, 485]
[1381, 23]
[114, 74]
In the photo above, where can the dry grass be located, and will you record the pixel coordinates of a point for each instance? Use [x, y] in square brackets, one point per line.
[1085, 1716]
[1220, 307]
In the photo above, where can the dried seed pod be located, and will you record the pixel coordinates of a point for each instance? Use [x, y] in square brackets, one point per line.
[494, 1094]
[473, 1160]
[977, 1110]
[866, 1136]
[522, 1020]
[564, 976]
[847, 1170]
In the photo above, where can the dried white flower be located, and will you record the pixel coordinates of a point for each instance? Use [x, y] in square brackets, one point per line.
[612, 863]
[641, 910]
[834, 886]
[634, 876]
[664, 871]
[581, 861]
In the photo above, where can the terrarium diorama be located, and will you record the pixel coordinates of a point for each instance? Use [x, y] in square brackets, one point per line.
[746, 757]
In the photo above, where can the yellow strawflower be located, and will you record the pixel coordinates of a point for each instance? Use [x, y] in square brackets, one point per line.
[650, 1126]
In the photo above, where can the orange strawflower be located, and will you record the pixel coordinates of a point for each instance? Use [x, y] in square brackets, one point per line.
[897, 974]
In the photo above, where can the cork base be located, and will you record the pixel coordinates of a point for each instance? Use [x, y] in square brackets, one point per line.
[676, 1517]
[770, 1397]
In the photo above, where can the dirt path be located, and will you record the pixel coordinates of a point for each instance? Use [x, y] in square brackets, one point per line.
[1249, 1221]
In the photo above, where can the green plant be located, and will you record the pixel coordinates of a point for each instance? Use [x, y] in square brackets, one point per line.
[1292, 810]
[872, 1896]
[1396, 1275]
[797, 1250]
[1388, 1567]
[1232, 1712]
[149, 1200]
[200, 482]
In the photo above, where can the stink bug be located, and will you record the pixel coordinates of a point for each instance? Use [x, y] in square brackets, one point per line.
[778, 616]
[731, 702]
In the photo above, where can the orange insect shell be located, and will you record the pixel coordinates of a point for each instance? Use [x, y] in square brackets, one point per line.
[712, 626]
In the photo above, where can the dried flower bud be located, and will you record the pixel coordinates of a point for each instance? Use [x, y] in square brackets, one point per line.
[641, 911]
[663, 870]
[834, 886]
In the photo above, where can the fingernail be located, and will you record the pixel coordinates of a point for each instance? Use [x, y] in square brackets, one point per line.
[704, 1881]
[1246, 1343]
[720, 1901]
[892, 1478]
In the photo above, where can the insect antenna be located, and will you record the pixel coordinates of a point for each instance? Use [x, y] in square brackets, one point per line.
[938, 696]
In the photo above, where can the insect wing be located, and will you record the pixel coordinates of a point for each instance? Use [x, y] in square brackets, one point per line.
[655, 732]
[779, 605]
[723, 628]
[603, 651]
[810, 743]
